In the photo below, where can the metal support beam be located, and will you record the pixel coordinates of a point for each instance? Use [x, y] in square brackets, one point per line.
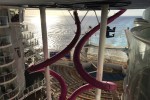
[101, 51]
[45, 50]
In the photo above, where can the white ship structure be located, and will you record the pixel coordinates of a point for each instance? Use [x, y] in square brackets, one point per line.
[71, 79]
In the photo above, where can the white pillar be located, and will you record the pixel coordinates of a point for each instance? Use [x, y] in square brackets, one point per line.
[45, 50]
[101, 50]
[21, 15]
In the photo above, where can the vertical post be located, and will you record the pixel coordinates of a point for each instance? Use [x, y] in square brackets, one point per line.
[45, 50]
[21, 14]
[101, 50]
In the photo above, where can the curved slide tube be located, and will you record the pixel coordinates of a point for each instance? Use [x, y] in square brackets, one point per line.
[63, 52]
[79, 91]
[62, 84]
[108, 86]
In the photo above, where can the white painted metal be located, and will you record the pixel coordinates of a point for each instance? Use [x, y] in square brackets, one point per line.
[101, 50]
[135, 4]
[45, 50]
[21, 14]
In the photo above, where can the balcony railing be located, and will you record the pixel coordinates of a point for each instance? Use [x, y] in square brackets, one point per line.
[30, 90]
[24, 28]
[3, 20]
[6, 59]
[39, 50]
[29, 53]
[28, 44]
[27, 36]
[5, 77]
[4, 41]
[10, 95]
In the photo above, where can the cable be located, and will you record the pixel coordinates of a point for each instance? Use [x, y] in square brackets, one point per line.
[84, 16]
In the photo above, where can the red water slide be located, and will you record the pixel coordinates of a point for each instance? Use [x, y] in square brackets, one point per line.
[61, 82]
[39, 67]
[92, 82]
[79, 91]
[108, 86]
[61, 54]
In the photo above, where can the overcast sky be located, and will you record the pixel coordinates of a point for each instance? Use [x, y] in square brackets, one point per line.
[134, 12]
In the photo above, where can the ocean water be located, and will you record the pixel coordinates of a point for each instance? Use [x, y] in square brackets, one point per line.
[61, 30]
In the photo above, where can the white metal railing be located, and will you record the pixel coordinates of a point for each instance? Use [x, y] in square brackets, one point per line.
[112, 57]
[10, 95]
[5, 40]
[6, 59]
[39, 61]
[24, 28]
[7, 76]
[30, 90]
[36, 61]
[34, 42]
[27, 36]
[3, 20]
[30, 43]
[29, 53]
[91, 43]
[39, 50]
[88, 60]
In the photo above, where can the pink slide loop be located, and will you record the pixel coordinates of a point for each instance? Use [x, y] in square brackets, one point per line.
[108, 86]
[63, 52]
[62, 84]
[80, 90]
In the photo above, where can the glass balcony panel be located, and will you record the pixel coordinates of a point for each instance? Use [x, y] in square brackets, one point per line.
[11, 93]
[5, 40]
[7, 76]
[3, 20]
[6, 59]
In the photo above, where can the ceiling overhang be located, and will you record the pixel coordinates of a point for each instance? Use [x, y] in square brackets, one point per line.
[78, 4]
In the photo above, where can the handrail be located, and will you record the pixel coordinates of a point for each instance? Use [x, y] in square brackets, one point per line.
[24, 28]
[10, 71]
[7, 64]
[8, 76]
[10, 54]
[10, 94]
[6, 59]
[27, 36]
[29, 54]
[5, 40]
[62, 84]
[33, 44]
[88, 60]
[113, 57]
[31, 89]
